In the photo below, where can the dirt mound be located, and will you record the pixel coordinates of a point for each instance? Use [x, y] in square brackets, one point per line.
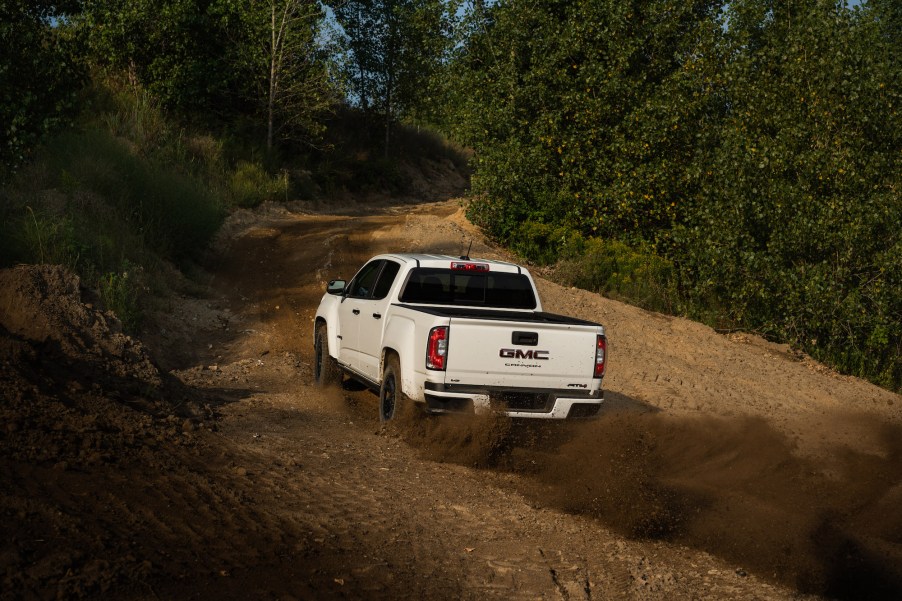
[79, 400]
[43, 305]
[75, 389]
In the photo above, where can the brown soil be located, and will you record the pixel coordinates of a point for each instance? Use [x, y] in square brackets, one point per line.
[722, 467]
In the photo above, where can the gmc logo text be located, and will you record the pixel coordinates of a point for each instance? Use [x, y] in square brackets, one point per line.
[509, 353]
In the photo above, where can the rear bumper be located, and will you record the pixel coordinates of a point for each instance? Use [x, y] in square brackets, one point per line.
[520, 403]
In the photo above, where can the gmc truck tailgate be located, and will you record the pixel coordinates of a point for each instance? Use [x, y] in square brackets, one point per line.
[496, 353]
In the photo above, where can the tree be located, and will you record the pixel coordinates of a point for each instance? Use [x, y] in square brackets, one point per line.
[393, 48]
[290, 72]
[39, 75]
[582, 112]
[360, 22]
[257, 59]
[180, 50]
[796, 228]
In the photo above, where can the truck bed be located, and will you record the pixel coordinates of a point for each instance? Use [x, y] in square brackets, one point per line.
[539, 317]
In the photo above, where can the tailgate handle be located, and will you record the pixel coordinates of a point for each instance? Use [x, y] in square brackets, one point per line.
[525, 338]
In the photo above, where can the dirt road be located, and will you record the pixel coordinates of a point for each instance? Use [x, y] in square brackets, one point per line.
[722, 467]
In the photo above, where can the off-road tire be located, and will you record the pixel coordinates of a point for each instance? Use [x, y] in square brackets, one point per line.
[392, 401]
[325, 369]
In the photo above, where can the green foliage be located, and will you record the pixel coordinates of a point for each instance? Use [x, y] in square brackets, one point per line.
[51, 238]
[580, 113]
[39, 77]
[219, 60]
[754, 145]
[135, 115]
[543, 244]
[120, 293]
[394, 48]
[178, 49]
[797, 213]
[285, 71]
[250, 185]
[172, 212]
[623, 272]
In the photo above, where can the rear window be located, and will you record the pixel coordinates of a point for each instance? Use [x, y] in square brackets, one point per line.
[435, 286]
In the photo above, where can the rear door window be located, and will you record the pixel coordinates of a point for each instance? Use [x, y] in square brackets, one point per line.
[386, 279]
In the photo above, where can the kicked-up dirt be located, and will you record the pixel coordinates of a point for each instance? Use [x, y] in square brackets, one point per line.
[199, 462]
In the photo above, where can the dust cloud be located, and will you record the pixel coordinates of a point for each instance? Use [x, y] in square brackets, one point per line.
[470, 440]
[735, 488]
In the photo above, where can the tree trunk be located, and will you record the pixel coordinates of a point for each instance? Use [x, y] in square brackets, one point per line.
[390, 20]
[388, 116]
[270, 105]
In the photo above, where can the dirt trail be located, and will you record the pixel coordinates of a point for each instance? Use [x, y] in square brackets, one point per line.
[723, 467]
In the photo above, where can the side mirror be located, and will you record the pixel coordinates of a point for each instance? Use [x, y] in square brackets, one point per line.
[336, 287]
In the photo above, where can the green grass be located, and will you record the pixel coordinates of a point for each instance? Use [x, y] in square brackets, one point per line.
[113, 199]
[623, 272]
[250, 185]
[121, 293]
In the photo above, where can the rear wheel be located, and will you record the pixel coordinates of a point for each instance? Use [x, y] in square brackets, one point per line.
[392, 400]
[325, 368]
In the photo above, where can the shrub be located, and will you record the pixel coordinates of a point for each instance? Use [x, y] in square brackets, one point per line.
[120, 293]
[543, 244]
[173, 212]
[51, 238]
[615, 269]
[250, 185]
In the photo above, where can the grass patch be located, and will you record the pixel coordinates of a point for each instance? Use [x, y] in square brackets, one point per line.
[173, 213]
[250, 185]
[623, 272]
[111, 202]
[50, 238]
[121, 293]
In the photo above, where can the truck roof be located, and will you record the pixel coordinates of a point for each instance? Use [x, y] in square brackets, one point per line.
[445, 261]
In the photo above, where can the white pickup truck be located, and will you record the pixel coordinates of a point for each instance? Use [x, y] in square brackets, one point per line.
[457, 335]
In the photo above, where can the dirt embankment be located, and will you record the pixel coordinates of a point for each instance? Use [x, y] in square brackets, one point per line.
[723, 467]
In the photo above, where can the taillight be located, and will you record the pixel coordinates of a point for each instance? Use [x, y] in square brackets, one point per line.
[437, 348]
[601, 352]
